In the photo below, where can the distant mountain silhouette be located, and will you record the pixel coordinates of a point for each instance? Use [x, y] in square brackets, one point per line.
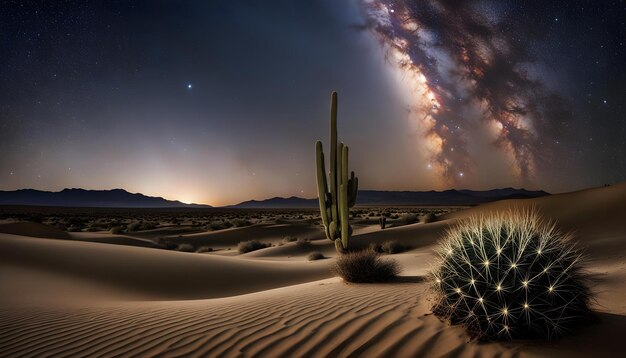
[116, 198]
[277, 202]
[378, 197]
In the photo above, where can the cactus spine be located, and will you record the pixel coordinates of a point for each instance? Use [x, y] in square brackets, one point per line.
[335, 205]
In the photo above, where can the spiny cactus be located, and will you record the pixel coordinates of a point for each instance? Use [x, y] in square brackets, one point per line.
[510, 275]
[335, 204]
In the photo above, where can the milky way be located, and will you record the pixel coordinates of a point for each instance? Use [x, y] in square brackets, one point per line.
[464, 68]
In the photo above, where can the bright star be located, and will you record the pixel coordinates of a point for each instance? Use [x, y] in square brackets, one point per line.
[189, 86]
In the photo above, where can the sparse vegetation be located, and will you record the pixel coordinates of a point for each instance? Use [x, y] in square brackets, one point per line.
[408, 219]
[241, 222]
[288, 239]
[393, 247]
[315, 255]
[140, 226]
[510, 275]
[202, 249]
[165, 244]
[185, 248]
[252, 245]
[428, 218]
[365, 267]
[219, 225]
[117, 230]
[303, 242]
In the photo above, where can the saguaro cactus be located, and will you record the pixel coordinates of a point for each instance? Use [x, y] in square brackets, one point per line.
[335, 204]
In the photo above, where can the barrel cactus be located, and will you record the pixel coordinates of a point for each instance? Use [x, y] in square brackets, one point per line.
[509, 275]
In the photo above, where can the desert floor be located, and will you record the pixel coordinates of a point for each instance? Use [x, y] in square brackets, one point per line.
[98, 294]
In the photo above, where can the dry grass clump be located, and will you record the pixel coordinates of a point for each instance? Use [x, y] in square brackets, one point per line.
[510, 275]
[303, 242]
[117, 230]
[315, 255]
[241, 222]
[389, 247]
[252, 245]
[185, 248]
[288, 239]
[219, 225]
[165, 244]
[365, 267]
[428, 218]
[202, 249]
[407, 219]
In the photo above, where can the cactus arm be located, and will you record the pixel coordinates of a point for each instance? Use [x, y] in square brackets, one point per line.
[333, 156]
[344, 215]
[338, 246]
[322, 186]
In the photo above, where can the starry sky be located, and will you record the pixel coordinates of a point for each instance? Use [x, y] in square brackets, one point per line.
[221, 101]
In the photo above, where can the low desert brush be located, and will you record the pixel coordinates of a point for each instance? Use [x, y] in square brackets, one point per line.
[365, 266]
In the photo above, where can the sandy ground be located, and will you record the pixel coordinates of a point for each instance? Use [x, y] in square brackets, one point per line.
[96, 294]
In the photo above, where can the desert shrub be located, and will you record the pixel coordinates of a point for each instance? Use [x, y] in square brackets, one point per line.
[219, 225]
[185, 248]
[428, 218]
[165, 244]
[249, 246]
[375, 247]
[148, 225]
[407, 219]
[509, 275]
[204, 249]
[241, 223]
[287, 239]
[303, 242]
[116, 230]
[315, 255]
[75, 228]
[365, 267]
[281, 220]
[393, 247]
[134, 226]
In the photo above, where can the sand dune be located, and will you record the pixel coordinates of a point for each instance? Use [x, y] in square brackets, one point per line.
[32, 229]
[325, 318]
[68, 298]
[108, 238]
[272, 233]
[155, 274]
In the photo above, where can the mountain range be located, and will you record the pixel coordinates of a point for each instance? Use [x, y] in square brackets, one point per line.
[115, 198]
[119, 198]
[379, 197]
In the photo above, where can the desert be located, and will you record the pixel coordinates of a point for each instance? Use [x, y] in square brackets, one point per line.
[91, 294]
[322, 178]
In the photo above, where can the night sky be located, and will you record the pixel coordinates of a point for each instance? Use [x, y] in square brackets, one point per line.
[221, 101]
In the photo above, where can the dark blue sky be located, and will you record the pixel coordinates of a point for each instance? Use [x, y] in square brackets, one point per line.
[97, 95]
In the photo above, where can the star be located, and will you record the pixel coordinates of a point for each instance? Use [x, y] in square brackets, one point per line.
[189, 85]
